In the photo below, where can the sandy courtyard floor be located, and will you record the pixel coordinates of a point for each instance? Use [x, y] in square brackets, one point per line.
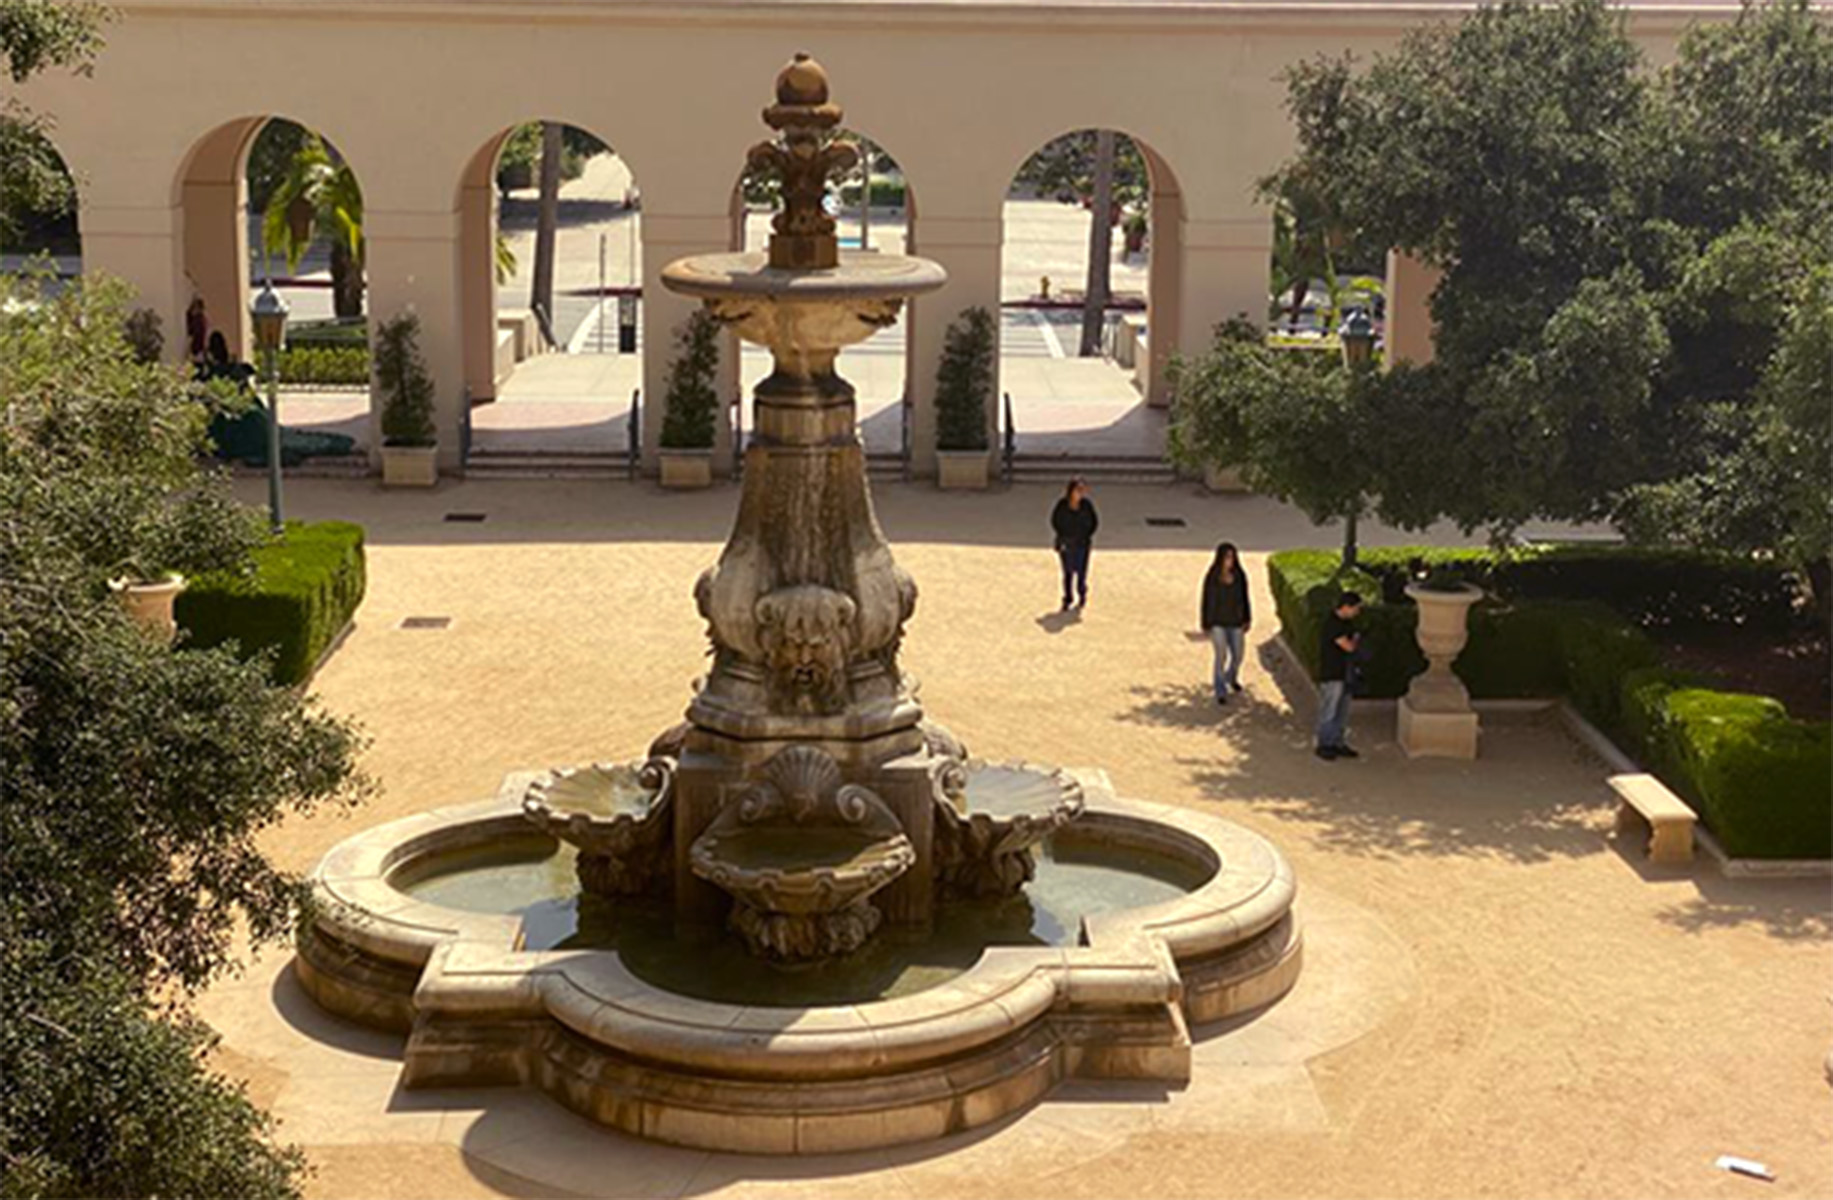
[1497, 1000]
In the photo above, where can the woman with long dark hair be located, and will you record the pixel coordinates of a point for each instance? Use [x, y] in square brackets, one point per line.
[1226, 617]
[1074, 522]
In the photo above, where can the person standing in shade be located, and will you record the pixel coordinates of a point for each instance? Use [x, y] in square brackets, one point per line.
[1074, 522]
[1341, 640]
[1227, 616]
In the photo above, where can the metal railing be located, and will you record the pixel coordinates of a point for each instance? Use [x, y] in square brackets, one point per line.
[1008, 449]
[633, 427]
[464, 431]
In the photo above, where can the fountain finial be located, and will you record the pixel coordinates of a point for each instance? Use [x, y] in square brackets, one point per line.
[803, 158]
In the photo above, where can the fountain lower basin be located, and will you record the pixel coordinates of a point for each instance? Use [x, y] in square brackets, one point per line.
[978, 1031]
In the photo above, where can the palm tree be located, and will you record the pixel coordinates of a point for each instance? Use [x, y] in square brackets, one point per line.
[318, 199]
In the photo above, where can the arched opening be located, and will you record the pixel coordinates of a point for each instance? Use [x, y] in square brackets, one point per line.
[267, 199]
[873, 209]
[1089, 300]
[38, 199]
[552, 319]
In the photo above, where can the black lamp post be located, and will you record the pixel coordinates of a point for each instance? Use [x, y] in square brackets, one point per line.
[1357, 336]
[269, 312]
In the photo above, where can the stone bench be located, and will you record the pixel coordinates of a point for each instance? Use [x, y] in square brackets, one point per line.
[1647, 801]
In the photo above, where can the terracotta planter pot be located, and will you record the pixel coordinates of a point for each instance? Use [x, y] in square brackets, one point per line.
[150, 604]
[410, 466]
[962, 470]
[687, 470]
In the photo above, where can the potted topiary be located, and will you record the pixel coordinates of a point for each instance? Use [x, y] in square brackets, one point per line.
[691, 405]
[964, 388]
[409, 442]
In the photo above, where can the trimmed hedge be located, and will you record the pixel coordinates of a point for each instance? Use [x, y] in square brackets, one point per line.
[303, 591]
[325, 365]
[1652, 588]
[1761, 781]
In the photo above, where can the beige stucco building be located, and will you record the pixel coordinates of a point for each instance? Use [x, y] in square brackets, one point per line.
[419, 95]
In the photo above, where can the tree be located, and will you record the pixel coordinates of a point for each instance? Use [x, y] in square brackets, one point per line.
[547, 226]
[319, 199]
[36, 36]
[1293, 421]
[964, 382]
[135, 780]
[1619, 248]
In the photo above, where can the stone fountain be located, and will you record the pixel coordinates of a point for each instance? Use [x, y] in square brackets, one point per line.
[809, 920]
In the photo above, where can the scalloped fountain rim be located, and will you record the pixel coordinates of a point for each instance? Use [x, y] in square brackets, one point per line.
[798, 1080]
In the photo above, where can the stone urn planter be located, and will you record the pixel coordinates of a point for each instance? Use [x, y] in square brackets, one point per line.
[410, 466]
[150, 603]
[962, 470]
[1224, 479]
[687, 470]
[1435, 715]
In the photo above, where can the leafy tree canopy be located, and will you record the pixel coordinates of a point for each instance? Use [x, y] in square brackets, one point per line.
[1634, 267]
[38, 36]
[135, 777]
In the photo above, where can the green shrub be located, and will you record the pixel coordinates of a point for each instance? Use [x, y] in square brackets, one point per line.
[405, 386]
[325, 365]
[964, 382]
[1657, 588]
[303, 591]
[1762, 782]
[691, 406]
[1596, 654]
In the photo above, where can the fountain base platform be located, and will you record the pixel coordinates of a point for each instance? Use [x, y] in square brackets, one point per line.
[1112, 994]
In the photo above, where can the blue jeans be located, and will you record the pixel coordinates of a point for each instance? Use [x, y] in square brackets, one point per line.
[1231, 644]
[1074, 557]
[1332, 712]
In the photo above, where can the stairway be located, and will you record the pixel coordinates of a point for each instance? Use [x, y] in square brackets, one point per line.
[1096, 468]
[547, 464]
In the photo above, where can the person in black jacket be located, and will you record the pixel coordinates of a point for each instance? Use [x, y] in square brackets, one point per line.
[1074, 522]
[1226, 616]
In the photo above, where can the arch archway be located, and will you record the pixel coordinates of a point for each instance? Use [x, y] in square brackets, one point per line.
[268, 198]
[1082, 387]
[38, 209]
[559, 380]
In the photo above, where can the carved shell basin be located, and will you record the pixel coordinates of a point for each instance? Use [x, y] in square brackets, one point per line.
[600, 806]
[1034, 799]
[801, 869]
[791, 311]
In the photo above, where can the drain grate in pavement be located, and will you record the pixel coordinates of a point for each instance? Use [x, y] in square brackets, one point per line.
[425, 622]
[467, 518]
[1167, 522]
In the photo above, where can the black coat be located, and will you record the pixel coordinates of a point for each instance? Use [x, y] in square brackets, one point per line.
[1225, 605]
[1074, 526]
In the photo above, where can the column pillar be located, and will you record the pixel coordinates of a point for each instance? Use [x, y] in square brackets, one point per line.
[413, 263]
[968, 247]
[1227, 272]
[215, 250]
[1164, 289]
[142, 244]
[667, 237]
[1409, 332]
[477, 271]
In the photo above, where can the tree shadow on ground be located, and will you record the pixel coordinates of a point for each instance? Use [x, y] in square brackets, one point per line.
[1516, 802]
[1789, 910]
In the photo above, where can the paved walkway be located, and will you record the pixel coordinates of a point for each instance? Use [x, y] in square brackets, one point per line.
[1497, 1000]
